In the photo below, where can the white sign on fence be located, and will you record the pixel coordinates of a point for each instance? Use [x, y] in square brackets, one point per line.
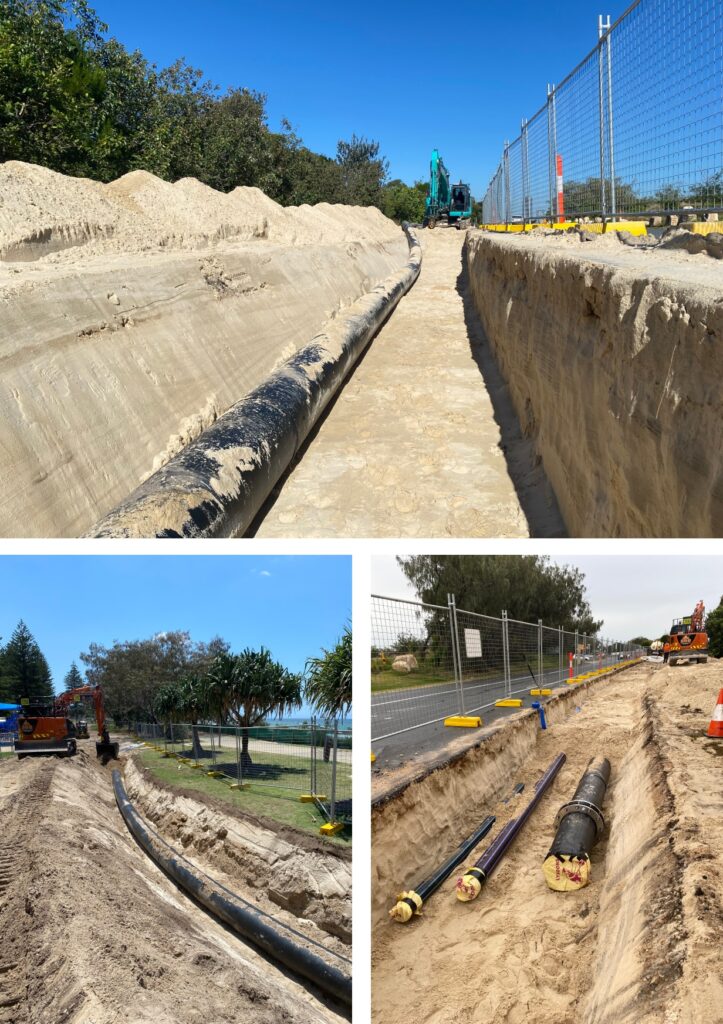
[473, 643]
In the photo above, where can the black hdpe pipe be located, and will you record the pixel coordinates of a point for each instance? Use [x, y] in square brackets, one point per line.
[470, 885]
[410, 903]
[217, 484]
[579, 823]
[246, 921]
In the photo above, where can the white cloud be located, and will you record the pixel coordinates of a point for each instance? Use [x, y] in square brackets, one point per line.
[264, 573]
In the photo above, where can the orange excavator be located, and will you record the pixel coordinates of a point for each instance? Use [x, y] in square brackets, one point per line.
[45, 729]
[688, 639]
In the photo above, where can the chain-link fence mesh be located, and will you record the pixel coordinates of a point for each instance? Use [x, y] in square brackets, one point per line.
[431, 662]
[314, 759]
[634, 134]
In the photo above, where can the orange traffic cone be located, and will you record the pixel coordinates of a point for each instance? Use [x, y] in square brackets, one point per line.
[715, 729]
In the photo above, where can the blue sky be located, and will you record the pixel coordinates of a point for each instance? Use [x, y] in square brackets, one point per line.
[293, 605]
[413, 75]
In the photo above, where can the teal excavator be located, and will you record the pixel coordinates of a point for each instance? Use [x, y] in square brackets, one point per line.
[445, 203]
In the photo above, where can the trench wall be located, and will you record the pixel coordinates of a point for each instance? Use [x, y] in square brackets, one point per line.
[110, 368]
[414, 828]
[613, 361]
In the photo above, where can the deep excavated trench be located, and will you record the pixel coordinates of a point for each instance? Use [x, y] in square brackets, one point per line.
[528, 385]
[92, 930]
[639, 944]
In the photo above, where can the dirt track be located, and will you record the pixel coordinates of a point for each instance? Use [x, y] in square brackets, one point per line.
[422, 440]
[91, 932]
[640, 944]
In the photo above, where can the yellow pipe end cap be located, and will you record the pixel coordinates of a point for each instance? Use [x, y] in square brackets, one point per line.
[564, 873]
[468, 888]
[463, 721]
[402, 912]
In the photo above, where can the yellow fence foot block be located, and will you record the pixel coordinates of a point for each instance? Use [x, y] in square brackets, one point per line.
[374, 757]
[239, 785]
[215, 775]
[331, 828]
[463, 722]
[540, 693]
[508, 703]
[308, 798]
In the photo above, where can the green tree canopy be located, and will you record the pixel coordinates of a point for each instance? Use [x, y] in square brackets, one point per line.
[132, 672]
[24, 670]
[529, 587]
[78, 102]
[641, 641]
[73, 678]
[328, 683]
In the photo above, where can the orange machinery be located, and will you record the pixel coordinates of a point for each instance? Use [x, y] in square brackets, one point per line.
[45, 730]
[688, 638]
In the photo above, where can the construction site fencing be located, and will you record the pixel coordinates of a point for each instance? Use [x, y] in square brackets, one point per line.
[430, 662]
[635, 129]
[313, 759]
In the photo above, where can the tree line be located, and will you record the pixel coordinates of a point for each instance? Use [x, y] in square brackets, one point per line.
[172, 678]
[77, 101]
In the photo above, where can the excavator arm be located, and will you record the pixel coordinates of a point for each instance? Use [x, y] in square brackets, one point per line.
[103, 747]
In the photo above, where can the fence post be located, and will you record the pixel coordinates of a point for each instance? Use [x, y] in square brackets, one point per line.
[539, 653]
[452, 604]
[611, 147]
[601, 114]
[506, 654]
[526, 214]
[552, 149]
[333, 773]
[238, 755]
[506, 165]
[559, 650]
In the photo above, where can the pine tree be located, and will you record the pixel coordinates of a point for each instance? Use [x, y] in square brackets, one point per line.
[25, 671]
[73, 678]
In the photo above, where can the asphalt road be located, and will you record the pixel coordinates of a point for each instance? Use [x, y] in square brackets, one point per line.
[405, 709]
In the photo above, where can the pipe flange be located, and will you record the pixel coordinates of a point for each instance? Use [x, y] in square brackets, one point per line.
[582, 807]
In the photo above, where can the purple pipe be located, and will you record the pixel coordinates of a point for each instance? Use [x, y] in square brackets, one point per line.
[469, 886]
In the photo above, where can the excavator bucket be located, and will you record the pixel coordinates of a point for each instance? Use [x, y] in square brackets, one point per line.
[106, 751]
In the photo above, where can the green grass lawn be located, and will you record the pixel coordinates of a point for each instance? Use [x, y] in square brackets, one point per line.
[260, 799]
[383, 681]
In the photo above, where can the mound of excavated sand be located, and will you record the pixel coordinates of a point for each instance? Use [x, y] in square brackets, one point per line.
[135, 313]
[42, 212]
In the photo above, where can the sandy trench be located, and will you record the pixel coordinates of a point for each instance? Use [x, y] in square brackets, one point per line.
[133, 314]
[640, 944]
[91, 932]
[422, 440]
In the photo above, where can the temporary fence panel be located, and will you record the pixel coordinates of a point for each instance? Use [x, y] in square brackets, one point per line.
[450, 661]
[414, 676]
[627, 133]
[314, 759]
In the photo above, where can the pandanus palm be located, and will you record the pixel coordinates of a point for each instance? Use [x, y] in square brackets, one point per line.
[249, 686]
[328, 684]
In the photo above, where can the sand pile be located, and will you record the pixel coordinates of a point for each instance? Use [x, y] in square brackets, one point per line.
[42, 212]
[93, 932]
[639, 944]
[135, 313]
[612, 354]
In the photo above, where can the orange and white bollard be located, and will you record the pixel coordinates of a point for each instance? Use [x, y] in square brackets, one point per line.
[569, 660]
[560, 193]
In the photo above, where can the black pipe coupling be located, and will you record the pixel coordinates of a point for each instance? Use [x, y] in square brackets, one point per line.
[578, 825]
